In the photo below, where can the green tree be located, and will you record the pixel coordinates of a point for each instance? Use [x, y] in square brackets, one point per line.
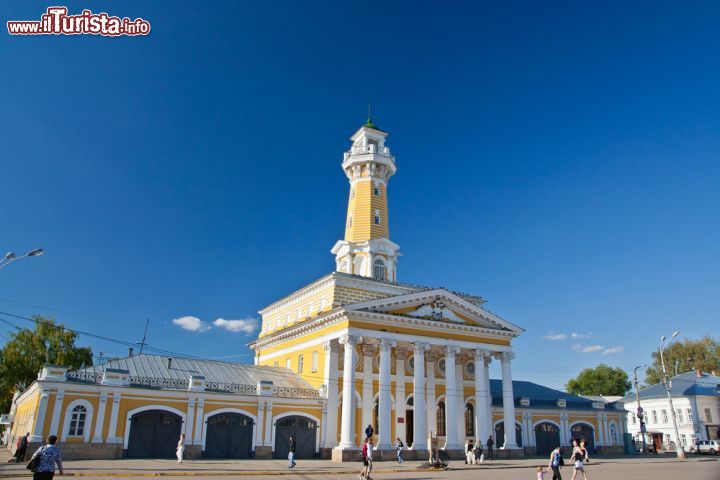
[28, 350]
[685, 356]
[601, 380]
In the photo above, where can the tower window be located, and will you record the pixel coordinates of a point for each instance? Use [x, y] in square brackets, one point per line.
[376, 189]
[377, 217]
[314, 361]
[379, 270]
[301, 359]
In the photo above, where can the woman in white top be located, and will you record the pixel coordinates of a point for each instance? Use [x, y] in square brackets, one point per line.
[578, 455]
[180, 448]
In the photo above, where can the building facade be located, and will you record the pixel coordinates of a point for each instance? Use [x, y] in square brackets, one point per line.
[696, 400]
[353, 348]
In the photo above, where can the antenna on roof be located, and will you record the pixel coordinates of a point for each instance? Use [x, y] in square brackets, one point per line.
[143, 343]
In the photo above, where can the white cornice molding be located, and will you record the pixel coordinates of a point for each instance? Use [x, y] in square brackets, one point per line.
[299, 295]
[300, 330]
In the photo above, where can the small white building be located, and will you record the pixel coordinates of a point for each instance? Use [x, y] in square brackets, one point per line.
[696, 399]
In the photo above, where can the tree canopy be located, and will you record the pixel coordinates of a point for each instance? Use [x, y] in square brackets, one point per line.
[685, 356]
[28, 350]
[601, 380]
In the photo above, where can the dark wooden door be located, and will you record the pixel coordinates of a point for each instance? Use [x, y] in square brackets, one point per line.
[229, 435]
[305, 432]
[547, 437]
[154, 434]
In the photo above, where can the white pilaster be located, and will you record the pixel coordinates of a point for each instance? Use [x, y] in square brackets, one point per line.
[100, 419]
[488, 401]
[268, 442]
[114, 413]
[431, 405]
[259, 424]
[460, 402]
[564, 430]
[347, 440]
[419, 428]
[450, 398]
[36, 435]
[331, 383]
[190, 421]
[57, 411]
[400, 406]
[197, 437]
[368, 403]
[508, 401]
[385, 442]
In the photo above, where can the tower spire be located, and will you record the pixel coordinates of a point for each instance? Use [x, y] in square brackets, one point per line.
[366, 249]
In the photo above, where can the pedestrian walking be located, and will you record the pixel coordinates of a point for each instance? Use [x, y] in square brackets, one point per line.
[577, 458]
[399, 446]
[490, 444]
[479, 456]
[583, 446]
[21, 449]
[364, 452]
[369, 457]
[291, 452]
[556, 461]
[180, 448]
[540, 473]
[469, 453]
[369, 431]
[48, 456]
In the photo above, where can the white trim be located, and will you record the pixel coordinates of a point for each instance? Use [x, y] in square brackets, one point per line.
[275, 418]
[546, 421]
[617, 433]
[89, 412]
[212, 413]
[145, 408]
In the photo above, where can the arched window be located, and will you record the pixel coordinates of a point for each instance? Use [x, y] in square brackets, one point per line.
[77, 421]
[440, 417]
[469, 420]
[613, 434]
[379, 269]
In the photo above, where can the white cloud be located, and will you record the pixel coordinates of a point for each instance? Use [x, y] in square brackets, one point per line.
[611, 350]
[192, 324]
[555, 336]
[581, 335]
[248, 325]
[587, 348]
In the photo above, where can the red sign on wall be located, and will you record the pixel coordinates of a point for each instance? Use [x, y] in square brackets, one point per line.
[401, 419]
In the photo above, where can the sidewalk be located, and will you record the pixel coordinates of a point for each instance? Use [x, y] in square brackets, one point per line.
[217, 468]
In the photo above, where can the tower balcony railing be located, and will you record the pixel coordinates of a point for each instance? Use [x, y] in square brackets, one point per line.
[367, 149]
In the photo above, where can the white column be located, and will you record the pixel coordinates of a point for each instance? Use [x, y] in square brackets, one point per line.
[450, 399]
[189, 421]
[100, 419]
[400, 406]
[385, 442]
[508, 401]
[564, 440]
[200, 423]
[460, 399]
[331, 383]
[57, 410]
[260, 423]
[347, 428]
[481, 428]
[268, 440]
[368, 402]
[114, 413]
[431, 405]
[488, 401]
[419, 429]
[36, 434]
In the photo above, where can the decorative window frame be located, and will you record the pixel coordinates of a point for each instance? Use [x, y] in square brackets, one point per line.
[467, 367]
[89, 412]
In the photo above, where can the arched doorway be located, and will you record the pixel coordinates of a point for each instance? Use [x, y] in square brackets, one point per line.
[469, 420]
[154, 434]
[303, 429]
[229, 435]
[409, 420]
[547, 437]
[584, 431]
[440, 419]
[500, 434]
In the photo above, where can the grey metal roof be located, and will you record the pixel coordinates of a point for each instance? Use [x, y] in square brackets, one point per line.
[540, 396]
[683, 385]
[158, 366]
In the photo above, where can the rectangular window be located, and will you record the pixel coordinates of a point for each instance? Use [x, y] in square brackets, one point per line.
[287, 363]
[301, 359]
[683, 440]
[654, 417]
[689, 412]
[679, 415]
[314, 361]
[708, 416]
[664, 416]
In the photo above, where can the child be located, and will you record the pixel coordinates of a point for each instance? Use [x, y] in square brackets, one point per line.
[540, 473]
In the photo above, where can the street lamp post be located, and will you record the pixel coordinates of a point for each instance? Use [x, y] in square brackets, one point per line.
[640, 414]
[679, 448]
[10, 257]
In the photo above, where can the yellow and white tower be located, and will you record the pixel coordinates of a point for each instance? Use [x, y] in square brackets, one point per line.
[367, 249]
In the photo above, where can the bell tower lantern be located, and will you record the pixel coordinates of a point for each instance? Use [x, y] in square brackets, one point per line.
[367, 249]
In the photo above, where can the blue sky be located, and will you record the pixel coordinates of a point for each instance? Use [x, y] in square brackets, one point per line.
[560, 159]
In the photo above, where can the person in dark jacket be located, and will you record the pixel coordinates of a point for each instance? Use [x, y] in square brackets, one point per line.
[22, 448]
[490, 444]
[291, 455]
[369, 431]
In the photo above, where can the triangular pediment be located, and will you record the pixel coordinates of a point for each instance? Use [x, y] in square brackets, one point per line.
[438, 305]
